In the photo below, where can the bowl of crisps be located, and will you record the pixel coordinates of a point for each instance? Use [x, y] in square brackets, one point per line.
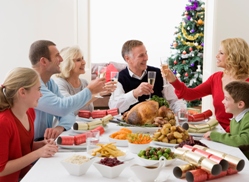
[107, 150]
[110, 167]
[77, 165]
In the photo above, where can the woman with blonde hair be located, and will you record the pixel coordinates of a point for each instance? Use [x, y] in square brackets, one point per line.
[19, 94]
[69, 81]
[233, 57]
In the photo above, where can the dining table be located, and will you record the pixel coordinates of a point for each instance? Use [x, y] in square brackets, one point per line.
[51, 169]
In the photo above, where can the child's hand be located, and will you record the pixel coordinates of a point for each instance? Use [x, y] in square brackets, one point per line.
[207, 135]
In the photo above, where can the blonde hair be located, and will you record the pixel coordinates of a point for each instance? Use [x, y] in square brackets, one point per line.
[16, 79]
[68, 54]
[237, 51]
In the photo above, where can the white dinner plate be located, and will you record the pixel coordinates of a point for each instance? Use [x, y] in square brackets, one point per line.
[84, 131]
[198, 122]
[81, 146]
[139, 129]
[164, 144]
[91, 119]
[196, 134]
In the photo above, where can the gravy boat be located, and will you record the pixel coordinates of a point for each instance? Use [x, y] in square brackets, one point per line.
[148, 173]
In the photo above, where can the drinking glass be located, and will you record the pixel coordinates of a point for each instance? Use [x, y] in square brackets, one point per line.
[114, 78]
[101, 74]
[183, 114]
[92, 140]
[164, 65]
[151, 78]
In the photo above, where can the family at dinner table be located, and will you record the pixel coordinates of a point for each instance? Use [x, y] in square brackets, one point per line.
[37, 104]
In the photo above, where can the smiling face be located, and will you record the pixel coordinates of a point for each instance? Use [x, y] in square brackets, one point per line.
[221, 57]
[53, 65]
[230, 105]
[79, 65]
[33, 95]
[137, 59]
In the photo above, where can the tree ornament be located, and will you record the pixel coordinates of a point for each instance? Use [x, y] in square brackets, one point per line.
[174, 72]
[191, 19]
[196, 44]
[198, 68]
[190, 49]
[178, 75]
[188, 28]
[175, 62]
[200, 22]
[192, 64]
[202, 44]
[192, 31]
[175, 44]
[186, 74]
[184, 52]
[186, 13]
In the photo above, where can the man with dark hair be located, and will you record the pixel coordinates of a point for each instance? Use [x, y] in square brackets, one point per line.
[46, 59]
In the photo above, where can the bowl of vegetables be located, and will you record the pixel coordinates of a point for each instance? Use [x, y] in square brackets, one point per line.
[151, 155]
[138, 142]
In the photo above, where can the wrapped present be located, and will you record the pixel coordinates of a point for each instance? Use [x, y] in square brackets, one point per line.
[198, 160]
[234, 162]
[65, 140]
[221, 161]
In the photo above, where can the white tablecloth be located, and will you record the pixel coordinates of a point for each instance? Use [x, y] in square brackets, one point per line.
[50, 169]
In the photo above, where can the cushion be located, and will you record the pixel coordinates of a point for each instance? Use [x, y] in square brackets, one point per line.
[118, 66]
[109, 69]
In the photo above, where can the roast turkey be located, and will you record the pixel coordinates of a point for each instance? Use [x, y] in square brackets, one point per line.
[146, 112]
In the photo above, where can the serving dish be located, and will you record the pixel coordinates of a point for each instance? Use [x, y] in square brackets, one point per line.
[119, 143]
[164, 144]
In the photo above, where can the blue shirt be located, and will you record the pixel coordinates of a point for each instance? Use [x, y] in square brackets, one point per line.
[53, 104]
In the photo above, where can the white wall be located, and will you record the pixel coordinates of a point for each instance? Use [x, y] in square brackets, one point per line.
[224, 19]
[100, 27]
[25, 21]
[113, 22]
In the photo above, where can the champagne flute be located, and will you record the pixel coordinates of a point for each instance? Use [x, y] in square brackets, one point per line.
[164, 65]
[114, 78]
[101, 74]
[151, 79]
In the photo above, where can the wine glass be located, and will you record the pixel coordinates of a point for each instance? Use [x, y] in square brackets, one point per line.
[114, 78]
[165, 65]
[151, 79]
[101, 74]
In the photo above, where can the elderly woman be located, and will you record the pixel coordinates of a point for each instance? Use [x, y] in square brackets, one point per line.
[69, 82]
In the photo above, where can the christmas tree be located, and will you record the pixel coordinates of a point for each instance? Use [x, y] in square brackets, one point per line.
[186, 58]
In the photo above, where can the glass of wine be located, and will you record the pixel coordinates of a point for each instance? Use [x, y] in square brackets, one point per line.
[164, 66]
[151, 78]
[114, 78]
[101, 74]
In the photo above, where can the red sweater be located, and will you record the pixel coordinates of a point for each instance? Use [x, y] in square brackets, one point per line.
[15, 141]
[212, 86]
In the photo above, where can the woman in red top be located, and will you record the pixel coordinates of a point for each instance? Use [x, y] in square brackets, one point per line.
[19, 94]
[233, 57]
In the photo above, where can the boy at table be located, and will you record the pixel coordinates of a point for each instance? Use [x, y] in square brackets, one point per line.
[236, 101]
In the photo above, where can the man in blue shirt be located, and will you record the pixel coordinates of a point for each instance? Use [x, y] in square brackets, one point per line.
[46, 59]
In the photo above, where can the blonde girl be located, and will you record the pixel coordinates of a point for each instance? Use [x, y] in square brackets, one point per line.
[19, 94]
